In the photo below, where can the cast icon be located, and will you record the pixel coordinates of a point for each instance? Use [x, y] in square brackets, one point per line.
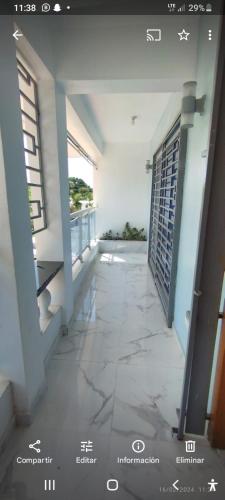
[153, 35]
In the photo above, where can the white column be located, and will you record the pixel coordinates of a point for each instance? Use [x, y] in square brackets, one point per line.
[20, 339]
[60, 99]
[55, 242]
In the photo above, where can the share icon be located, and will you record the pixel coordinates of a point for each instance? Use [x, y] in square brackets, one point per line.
[33, 446]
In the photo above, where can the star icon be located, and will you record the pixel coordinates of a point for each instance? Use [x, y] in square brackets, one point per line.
[183, 35]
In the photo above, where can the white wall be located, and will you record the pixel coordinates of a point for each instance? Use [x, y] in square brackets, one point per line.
[198, 143]
[122, 187]
[167, 119]
[84, 112]
[196, 164]
[78, 130]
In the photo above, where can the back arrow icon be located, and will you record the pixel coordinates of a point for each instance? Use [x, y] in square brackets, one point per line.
[17, 34]
[175, 484]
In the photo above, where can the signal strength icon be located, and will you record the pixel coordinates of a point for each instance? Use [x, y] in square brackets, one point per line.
[182, 8]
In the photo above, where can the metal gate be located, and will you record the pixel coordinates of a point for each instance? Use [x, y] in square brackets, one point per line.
[166, 202]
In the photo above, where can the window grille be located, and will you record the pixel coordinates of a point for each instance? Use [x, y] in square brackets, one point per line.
[166, 203]
[32, 146]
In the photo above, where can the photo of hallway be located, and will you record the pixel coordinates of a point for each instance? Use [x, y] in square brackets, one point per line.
[111, 267]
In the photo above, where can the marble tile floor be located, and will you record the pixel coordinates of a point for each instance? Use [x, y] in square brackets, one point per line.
[115, 378]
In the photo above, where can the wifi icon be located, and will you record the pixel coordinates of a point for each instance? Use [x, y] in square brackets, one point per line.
[182, 8]
[150, 37]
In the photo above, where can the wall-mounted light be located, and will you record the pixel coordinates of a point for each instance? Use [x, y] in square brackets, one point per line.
[190, 105]
[133, 119]
[148, 166]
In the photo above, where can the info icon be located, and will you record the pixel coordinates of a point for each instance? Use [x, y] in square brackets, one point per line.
[138, 446]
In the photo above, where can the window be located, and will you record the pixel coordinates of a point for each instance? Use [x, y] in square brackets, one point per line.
[32, 146]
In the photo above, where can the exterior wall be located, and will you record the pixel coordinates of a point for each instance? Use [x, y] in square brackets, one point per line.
[122, 187]
[196, 163]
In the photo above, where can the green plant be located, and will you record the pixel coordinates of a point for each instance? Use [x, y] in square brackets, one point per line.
[132, 233]
[110, 236]
[78, 190]
[107, 236]
[129, 233]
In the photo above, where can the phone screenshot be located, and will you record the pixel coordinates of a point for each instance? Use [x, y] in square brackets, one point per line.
[112, 250]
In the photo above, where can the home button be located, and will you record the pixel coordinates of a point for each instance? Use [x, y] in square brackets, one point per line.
[112, 485]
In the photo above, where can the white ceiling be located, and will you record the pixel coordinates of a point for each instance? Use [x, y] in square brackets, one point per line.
[114, 115]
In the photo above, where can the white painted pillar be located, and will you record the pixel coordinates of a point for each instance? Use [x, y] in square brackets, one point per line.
[60, 101]
[55, 242]
[20, 339]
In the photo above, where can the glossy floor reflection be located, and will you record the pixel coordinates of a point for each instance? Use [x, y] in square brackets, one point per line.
[118, 353]
[115, 378]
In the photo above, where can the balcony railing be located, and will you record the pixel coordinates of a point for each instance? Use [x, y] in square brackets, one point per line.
[83, 232]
